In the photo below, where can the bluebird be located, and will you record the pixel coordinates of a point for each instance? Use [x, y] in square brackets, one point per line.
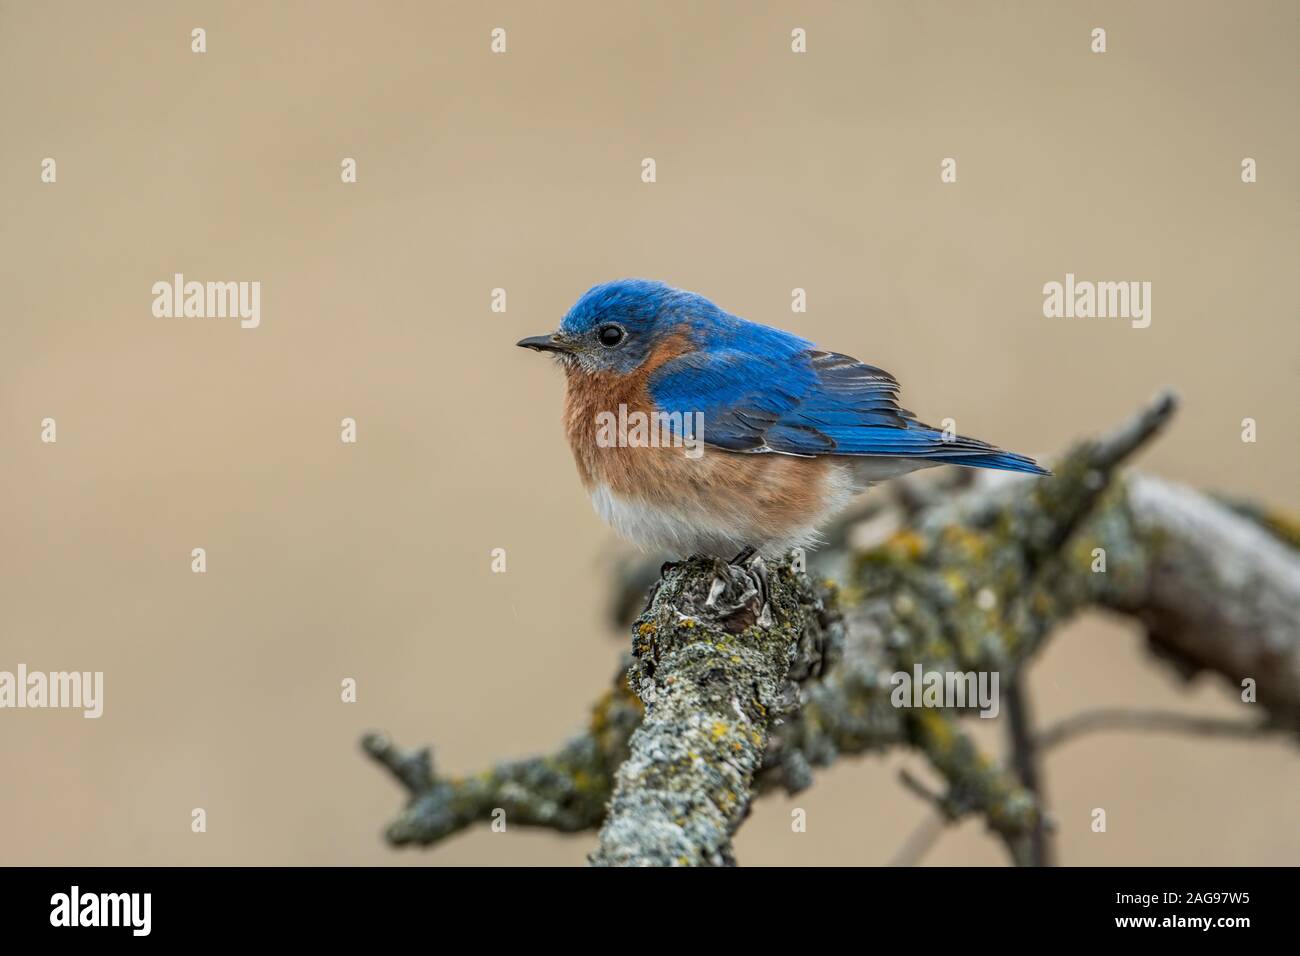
[698, 432]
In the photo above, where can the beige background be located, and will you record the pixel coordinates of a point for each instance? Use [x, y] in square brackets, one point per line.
[522, 171]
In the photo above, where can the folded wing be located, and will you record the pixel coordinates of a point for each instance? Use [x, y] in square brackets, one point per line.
[791, 399]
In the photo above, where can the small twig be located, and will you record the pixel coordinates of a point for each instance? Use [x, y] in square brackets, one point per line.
[975, 782]
[927, 833]
[1150, 721]
[413, 768]
[1120, 443]
[1062, 503]
[920, 840]
[943, 804]
[1024, 757]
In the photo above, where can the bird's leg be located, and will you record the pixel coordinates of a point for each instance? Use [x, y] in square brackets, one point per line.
[757, 568]
[742, 559]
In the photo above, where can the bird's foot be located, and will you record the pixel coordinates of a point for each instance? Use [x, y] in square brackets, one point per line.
[749, 562]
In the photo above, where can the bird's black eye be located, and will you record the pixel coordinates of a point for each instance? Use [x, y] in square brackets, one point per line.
[610, 335]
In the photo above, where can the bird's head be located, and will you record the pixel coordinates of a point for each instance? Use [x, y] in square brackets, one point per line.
[615, 326]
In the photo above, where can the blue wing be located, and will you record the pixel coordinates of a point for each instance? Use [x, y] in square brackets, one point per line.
[779, 394]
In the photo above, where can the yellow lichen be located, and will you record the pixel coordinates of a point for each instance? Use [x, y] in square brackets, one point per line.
[936, 728]
[906, 543]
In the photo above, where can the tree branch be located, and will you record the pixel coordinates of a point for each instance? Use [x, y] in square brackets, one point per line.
[969, 578]
[1024, 758]
[565, 791]
[714, 666]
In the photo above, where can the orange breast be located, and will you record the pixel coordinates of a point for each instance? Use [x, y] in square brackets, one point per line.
[590, 395]
[774, 492]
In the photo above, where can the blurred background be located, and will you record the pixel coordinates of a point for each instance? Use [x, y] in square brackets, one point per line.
[522, 171]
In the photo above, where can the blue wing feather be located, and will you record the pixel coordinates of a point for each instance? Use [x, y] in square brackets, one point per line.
[761, 389]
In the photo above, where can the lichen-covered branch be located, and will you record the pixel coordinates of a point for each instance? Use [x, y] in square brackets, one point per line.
[565, 791]
[1221, 593]
[950, 576]
[715, 665]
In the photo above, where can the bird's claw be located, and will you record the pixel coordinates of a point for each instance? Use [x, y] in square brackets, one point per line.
[752, 564]
[743, 558]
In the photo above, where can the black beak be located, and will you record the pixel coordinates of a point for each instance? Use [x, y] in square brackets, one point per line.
[544, 343]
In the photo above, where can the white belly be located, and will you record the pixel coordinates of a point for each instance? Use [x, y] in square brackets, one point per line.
[678, 532]
[728, 524]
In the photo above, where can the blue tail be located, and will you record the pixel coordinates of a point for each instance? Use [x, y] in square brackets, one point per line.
[1001, 460]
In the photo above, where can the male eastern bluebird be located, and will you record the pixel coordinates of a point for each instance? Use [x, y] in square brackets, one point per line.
[787, 433]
